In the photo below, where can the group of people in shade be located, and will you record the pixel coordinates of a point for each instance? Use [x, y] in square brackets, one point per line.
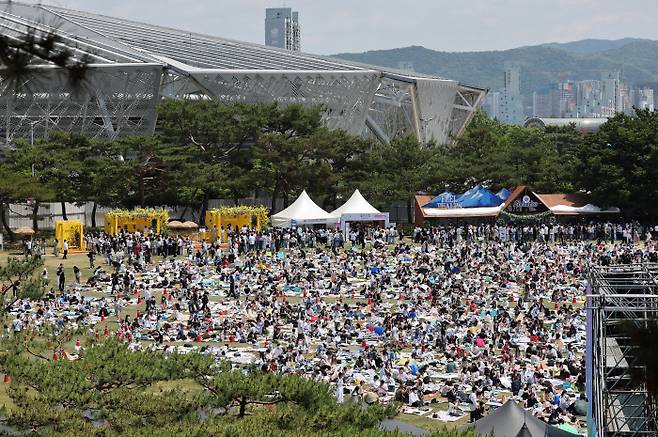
[451, 321]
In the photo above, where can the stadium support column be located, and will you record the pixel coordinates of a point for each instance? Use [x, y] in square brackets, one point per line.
[105, 115]
[377, 131]
[414, 108]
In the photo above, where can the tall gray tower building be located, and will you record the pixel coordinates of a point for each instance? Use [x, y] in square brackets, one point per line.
[282, 28]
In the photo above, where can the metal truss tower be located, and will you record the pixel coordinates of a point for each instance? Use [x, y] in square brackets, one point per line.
[619, 402]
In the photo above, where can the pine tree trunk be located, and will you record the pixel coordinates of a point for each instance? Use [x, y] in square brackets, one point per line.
[35, 216]
[63, 203]
[142, 196]
[243, 406]
[5, 222]
[204, 208]
[409, 217]
[93, 215]
[275, 193]
[182, 215]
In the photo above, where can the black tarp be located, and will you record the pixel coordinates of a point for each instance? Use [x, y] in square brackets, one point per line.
[508, 420]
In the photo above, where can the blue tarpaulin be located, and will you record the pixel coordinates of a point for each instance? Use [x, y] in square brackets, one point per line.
[442, 200]
[479, 197]
[504, 194]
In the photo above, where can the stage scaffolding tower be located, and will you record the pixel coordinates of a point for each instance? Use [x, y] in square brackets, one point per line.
[619, 404]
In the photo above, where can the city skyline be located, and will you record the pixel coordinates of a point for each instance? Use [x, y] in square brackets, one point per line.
[591, 98]
[344, 26]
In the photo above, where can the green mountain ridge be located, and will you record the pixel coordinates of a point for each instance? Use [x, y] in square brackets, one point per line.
[540, 65]
[592, 46]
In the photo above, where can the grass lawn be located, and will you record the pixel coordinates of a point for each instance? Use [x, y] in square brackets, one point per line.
[428, 423]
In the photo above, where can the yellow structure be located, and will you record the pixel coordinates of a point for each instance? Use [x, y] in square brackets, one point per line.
[223, 219]
[73, 232]
[138, 220]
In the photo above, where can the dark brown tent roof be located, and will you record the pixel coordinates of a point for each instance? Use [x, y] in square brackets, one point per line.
[508, 420]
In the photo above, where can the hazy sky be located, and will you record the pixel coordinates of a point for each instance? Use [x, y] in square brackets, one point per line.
[333, 26]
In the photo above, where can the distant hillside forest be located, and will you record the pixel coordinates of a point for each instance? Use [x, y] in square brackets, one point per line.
[541, 65]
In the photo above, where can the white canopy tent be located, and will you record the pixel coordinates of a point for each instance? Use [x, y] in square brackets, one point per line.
[357, 209]
[587, 209]
[303, 211]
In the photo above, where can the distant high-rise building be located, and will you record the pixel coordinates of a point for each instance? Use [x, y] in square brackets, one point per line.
[546, 103]
[611, 94]
[567, 107]
[588, 98]
[511, 101]
[644, 99]
[491, 105]
[282, 28]
[512, 79]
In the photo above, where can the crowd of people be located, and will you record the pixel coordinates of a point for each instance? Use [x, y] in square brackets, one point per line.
[463, 316]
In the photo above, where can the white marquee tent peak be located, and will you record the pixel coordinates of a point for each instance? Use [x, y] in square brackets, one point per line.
[303, 211]
[357, 209]
[356, 204]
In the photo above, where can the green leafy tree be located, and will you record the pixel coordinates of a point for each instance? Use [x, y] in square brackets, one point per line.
[16, 185]
[345, 160]
[57, 163]
[500, 155]
[399, 170]
[618, 164]
[153, 169]
[110, 390]
[18, 281]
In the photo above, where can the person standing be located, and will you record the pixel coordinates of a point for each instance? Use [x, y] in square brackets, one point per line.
[44, 277]
[56, 248]
[61, 278]
[340, 387]
[65, 248]
[77, 274]
[474, 405]
[90, 255]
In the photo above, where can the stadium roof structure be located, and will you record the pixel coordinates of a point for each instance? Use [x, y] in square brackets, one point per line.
[135, 65]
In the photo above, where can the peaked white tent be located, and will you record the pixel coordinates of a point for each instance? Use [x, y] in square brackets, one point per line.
[303, 211]
[356, 204]
[357, 209]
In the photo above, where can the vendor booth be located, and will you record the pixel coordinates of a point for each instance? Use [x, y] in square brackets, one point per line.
[478, 204]
[357, 209]
[524, 204]
[138, 220]
[220, 220]
[73, 232]
[303, 212]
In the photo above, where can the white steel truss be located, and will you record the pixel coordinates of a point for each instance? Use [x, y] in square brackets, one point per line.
[136, 64]
[620, 404]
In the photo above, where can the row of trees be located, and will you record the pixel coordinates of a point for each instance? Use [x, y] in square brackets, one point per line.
[208, 150]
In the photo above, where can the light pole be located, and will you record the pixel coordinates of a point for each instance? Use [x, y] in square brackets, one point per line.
[32, 124]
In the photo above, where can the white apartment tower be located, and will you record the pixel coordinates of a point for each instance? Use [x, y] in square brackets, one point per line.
[611, 96]
[511, 103]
